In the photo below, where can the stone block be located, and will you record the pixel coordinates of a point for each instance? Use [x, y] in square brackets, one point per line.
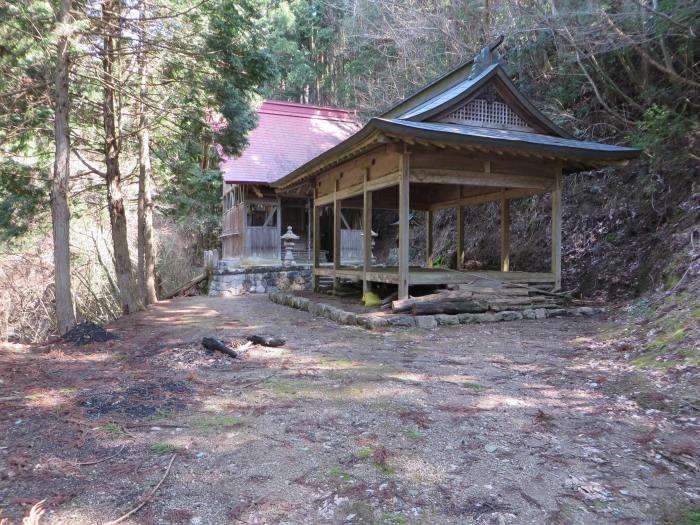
[465, 318]
[426, 321]
[371, 321]
[540, 313]
[484, 318]
[508, 316]
[529, 314]
[557, 312]
[401, 320]
[445, 319]
[348, 318]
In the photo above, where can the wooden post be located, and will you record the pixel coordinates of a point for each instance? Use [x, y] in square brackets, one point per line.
[505, 234]
[556, 230]
[429, 238]
[280, 228]
[460, 237]
[316, 259]
[244, 232]
[404, 218]
[309, 204]
[336, 241]
[367, 233]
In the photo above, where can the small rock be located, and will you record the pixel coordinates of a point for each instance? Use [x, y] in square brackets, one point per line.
[490, 448]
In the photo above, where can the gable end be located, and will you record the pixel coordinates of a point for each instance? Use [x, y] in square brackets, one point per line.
[486, 109]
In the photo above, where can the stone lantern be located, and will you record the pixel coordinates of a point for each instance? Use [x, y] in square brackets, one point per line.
[288, 242]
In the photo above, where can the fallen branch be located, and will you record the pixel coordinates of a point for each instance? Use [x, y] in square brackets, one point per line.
[211, 343]
[266, 340]
[86, 463]
[255, 382]
[185, 286]
[147, 498]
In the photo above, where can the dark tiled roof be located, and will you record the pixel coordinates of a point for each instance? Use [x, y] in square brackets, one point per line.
[505, 138]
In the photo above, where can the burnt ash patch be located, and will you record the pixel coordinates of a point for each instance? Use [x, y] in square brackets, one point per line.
[87, 332]
[138, 401]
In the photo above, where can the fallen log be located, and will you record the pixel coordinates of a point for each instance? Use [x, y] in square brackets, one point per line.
[451, 306]
[185, 286]
[405, 305]
[266, 340]
[489, 290]
[390, 298]
[211, 343]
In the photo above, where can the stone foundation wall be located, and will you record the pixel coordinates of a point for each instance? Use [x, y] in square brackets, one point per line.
[379, 320]
[229, 281]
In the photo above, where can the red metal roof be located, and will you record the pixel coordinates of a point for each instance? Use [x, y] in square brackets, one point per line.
[287, 136]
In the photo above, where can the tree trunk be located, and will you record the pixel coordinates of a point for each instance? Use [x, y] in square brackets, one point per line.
[146, 249]
[60, 214]
[115, 198]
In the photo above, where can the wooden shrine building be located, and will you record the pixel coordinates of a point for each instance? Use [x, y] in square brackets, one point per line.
[470, 137]
[255, 216]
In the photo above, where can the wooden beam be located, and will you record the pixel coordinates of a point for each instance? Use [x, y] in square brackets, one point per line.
[404, 218]
[480, 178]
[485, 197]
[429, 217]
[505, 234]
[367, 232]
[460, 237]
[373, 185]
[556, 232]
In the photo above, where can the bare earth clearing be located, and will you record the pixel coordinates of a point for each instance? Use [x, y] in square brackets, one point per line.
[519, 422]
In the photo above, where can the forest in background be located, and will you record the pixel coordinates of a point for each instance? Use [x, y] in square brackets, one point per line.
[141, 77]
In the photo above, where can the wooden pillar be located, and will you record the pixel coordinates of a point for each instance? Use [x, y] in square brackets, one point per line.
[316, 258]
[310, 206]
[404, 218]
[280, 228]
[367, 234]
[429, 217]
[505, 234]
[460, 237]
[336, 241]
[556, 230]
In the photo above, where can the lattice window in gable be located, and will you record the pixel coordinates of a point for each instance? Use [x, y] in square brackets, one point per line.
[487, 110]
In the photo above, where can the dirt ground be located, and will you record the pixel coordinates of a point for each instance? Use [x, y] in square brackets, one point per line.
[519, 422]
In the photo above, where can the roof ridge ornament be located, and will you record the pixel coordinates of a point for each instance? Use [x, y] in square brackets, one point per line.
[482, 60]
